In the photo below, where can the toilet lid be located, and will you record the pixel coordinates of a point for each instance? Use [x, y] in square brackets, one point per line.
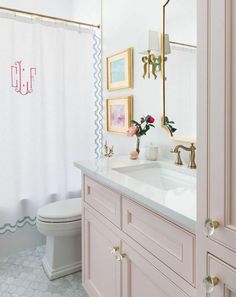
[61, 211]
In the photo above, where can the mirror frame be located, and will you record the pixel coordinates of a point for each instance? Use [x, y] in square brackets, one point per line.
[163, 75]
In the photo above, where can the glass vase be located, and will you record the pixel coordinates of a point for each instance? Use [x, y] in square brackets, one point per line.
[138, 144]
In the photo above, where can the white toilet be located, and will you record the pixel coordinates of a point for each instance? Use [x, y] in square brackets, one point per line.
[61, 223]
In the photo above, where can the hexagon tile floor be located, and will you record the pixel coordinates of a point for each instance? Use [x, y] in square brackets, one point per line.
[22, 275]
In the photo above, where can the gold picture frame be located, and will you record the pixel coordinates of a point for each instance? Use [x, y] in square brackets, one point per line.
[120, 70]
[119, 114]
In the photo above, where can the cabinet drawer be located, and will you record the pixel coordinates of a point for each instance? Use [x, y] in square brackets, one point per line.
[172, 245]
[226, 275]
[103, 199]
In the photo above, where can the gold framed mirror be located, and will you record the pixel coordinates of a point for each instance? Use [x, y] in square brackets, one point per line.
[178, 69]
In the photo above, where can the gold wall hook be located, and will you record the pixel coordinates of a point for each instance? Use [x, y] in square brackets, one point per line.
[108, 151]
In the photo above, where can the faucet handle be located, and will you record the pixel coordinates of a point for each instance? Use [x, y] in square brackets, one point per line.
[178, 158]
[192, 163]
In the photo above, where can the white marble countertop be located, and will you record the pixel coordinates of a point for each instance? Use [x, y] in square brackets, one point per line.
[178, 205]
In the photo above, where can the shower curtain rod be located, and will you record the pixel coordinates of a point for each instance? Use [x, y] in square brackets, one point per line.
[48, 17]
[183, 44]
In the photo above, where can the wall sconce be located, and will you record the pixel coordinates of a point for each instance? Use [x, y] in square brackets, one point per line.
[151, 55]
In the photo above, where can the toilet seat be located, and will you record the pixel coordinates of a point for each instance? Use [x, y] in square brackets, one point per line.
[61, 211]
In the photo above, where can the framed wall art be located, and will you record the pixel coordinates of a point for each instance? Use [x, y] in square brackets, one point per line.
[120, 70]
[119, 114]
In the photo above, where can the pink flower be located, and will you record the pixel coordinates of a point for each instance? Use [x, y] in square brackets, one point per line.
[142, 119]
[132, 131]
[150, 119]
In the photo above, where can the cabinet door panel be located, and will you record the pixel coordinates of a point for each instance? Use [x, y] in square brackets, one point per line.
[231, 9]
[227, 276]
[141, 278]
[101, 270]
[222, 122]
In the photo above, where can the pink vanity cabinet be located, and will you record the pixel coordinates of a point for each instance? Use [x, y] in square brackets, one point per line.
[217, 146]
[130, 251]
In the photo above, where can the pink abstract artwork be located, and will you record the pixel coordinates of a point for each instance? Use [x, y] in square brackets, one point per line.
[118, 115]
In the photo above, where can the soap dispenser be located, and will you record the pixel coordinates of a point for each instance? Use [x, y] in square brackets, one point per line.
[151, 153]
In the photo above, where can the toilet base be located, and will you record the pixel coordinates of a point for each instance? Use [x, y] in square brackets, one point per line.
[61, 271]
[63, 255]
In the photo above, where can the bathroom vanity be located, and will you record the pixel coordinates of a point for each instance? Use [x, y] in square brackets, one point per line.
[138, 228]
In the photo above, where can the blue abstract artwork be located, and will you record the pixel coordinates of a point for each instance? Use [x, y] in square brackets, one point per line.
[118, 70]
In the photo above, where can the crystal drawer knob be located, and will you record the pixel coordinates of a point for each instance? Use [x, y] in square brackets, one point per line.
[114, 250]
[210, 226]
[120, 257]
[210, 283]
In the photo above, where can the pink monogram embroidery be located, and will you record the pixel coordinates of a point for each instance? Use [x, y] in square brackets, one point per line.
[22, 81]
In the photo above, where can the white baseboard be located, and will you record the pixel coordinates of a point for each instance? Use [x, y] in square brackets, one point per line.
[61, 271]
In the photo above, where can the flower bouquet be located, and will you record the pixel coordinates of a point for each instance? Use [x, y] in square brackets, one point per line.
[139, 129]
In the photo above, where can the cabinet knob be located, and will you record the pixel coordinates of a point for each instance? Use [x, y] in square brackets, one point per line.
[114, 250]
[210, 226]
[120, 257]
[210, 283]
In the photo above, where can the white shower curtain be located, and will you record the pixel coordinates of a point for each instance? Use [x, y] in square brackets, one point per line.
[46, 114]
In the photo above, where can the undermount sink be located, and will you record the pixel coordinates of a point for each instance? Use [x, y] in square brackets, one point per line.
[160, 175]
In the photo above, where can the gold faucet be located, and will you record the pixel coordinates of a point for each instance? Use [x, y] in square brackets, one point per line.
[191, 149]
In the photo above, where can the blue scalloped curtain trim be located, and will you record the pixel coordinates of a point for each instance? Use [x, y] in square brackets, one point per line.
[19, 224]
[97, 74]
